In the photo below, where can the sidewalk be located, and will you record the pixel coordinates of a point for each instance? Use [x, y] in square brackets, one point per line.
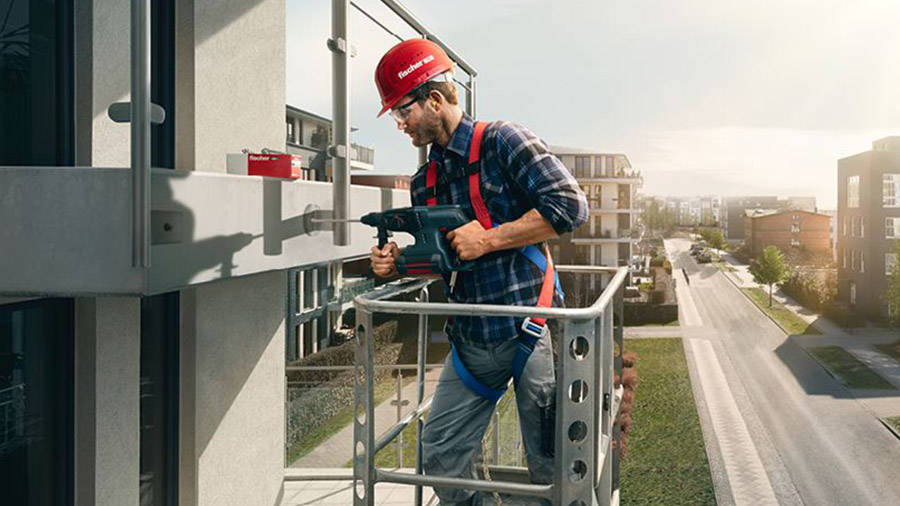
[337, 450]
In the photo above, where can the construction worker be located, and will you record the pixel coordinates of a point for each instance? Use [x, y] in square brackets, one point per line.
[518, 195]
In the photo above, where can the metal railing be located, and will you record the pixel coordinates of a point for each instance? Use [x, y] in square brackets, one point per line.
[590, 347]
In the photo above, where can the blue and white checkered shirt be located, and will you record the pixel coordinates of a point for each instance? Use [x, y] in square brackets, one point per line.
[518, 173]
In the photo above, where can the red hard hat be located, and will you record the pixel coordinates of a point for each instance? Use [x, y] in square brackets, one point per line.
[407, 66]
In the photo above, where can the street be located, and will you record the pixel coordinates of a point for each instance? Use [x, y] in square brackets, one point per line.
[816, 443]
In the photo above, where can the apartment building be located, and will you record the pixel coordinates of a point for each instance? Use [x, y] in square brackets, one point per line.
[868, 222]
[735, 207]
[610, 183]
[695, 211]
[146, 314]
[789, 230]
[309, 135]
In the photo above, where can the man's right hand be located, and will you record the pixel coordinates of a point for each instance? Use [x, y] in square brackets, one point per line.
[384, 260]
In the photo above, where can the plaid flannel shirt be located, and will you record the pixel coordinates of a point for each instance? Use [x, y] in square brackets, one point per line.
[518, 173]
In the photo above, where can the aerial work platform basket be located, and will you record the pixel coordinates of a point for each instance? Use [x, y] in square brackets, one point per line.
[588, 398]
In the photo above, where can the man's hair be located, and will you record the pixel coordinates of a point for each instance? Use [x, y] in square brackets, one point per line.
[448, 90]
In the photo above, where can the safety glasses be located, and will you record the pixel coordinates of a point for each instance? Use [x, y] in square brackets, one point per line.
[401, 113]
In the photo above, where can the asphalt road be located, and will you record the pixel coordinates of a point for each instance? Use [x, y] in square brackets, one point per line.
[817, 443]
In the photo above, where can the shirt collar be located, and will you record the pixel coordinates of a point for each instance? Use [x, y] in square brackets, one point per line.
[459, 141]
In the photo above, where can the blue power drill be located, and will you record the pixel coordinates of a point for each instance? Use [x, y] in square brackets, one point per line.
[431, 254]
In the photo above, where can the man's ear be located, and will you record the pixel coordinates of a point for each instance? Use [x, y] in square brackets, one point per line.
[436, 100]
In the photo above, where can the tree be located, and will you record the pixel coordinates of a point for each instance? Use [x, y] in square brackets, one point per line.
[715, 239]
[770, 268]
[892, 294]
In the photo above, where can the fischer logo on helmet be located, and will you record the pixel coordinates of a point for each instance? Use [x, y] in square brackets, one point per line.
[406, 66]
[414, 66]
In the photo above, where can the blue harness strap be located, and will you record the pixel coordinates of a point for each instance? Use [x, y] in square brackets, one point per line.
[491, 394]
[531, 331]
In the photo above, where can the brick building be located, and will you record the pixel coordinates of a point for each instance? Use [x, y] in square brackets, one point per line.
[788, 230]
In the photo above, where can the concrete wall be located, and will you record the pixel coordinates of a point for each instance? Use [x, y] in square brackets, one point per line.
[239, 78]
[232, 426]
[110, 78]
[107, 400]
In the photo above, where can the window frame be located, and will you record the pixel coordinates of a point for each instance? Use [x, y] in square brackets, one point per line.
[852, 186]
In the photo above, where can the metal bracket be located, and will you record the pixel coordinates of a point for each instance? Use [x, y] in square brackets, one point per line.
[340, 151]
[339, 45]
[312, 212]
[120, 112]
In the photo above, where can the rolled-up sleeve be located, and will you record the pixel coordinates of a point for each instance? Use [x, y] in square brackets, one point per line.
[546, 182]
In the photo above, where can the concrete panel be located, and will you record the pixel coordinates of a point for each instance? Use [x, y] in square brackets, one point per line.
[107, 436]
[111, 81]
[239, 78]
[68, 230]
[238, 332]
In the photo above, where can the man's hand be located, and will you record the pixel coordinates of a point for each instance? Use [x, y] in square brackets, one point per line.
[383, 260]
[470, 241]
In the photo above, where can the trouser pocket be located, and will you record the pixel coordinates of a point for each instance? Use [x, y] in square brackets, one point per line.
[548, 426]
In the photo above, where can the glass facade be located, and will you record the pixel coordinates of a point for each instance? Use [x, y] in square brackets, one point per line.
[159, 400]
[36, 402]
[36, 83]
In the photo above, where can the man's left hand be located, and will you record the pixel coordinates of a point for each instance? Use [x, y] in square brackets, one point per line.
[470, 241]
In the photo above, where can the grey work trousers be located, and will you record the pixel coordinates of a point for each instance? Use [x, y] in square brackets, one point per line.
[459, 417]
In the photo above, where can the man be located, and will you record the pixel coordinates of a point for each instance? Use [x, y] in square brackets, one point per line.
[518, 195]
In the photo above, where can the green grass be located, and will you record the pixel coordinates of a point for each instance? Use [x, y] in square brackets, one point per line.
[724, 267]
[893, 421]
[384, 390]
[784, 317]
[848, 369]
[666, 459]
[892, 350]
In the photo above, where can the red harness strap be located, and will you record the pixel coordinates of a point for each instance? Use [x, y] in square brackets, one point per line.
[545, 299]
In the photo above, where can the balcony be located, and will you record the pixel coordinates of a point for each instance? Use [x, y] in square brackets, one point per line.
[584, 235]
[204, 227]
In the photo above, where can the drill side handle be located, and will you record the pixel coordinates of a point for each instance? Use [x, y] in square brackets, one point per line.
[383, 234]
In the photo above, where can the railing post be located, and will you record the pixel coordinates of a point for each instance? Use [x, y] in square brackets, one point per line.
[420, 391]
[341, 51]
[604, 483]
[495, 447]
[400, 417]
[364, 412]
[140, 132]
[575, 410]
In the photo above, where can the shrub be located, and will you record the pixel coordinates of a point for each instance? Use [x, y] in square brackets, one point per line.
[667, 265]
[810, 288]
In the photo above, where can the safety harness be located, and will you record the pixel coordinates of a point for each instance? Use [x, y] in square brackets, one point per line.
[532, 328]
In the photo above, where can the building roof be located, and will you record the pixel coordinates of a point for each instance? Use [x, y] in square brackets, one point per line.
[312, 115]
[761, 213]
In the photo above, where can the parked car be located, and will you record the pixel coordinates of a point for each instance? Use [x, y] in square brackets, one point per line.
[704, 258]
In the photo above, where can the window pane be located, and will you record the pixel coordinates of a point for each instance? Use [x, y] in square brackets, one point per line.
[159, 399]
[36, 85]
[36, 378]
[853, 191]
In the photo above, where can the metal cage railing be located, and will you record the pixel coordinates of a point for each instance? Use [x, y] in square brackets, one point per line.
[588, 400]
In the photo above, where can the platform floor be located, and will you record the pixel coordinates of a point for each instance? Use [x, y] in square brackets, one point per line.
[340, 493]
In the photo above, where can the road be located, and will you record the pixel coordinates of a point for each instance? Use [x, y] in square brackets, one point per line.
[816, 442]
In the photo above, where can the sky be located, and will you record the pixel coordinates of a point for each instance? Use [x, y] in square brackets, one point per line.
[704, 96]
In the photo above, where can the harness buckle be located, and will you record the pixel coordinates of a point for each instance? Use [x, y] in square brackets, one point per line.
[533, 329]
